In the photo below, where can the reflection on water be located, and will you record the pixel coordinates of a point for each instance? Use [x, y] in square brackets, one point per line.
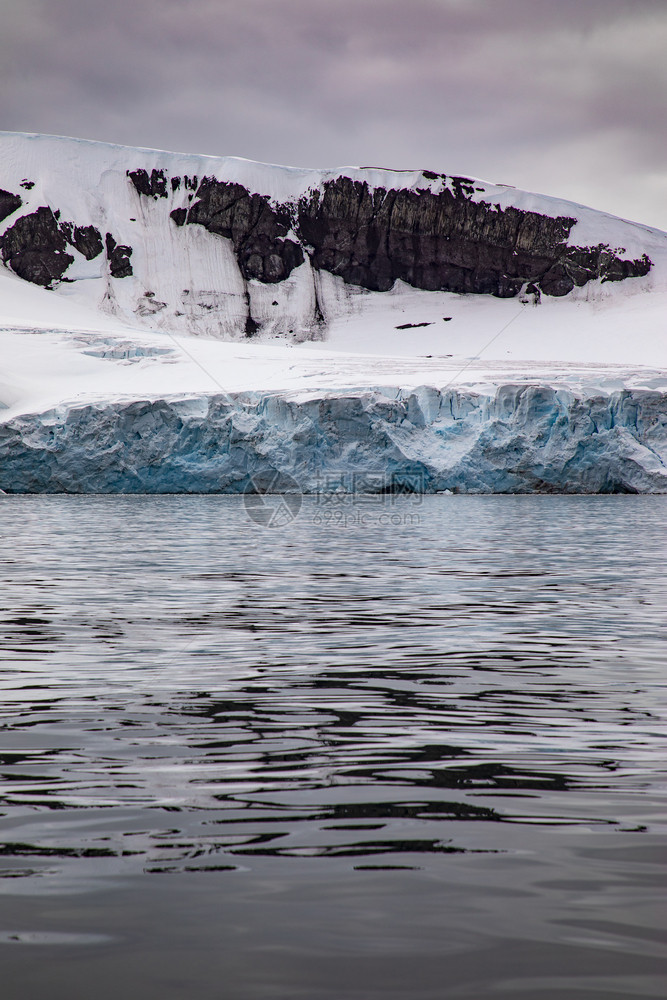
[475, 697]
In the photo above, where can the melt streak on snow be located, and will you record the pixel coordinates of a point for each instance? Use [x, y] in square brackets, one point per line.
[103, 388]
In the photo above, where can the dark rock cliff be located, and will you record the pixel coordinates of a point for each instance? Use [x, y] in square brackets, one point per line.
[8, 203]
[86, 239]
[370, 237]
[257, 229]
[118, 257]
[446, 242]
[153, 185]
[35, 247]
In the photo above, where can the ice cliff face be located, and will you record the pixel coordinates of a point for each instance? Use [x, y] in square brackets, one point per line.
[516, 439]
[229, 248]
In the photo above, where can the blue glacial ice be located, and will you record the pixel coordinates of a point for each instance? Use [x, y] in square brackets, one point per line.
[511, 439]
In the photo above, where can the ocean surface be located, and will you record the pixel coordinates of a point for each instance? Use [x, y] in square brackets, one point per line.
[397, 747]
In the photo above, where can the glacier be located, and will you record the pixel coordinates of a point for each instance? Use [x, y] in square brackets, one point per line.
[173, 323]
[516, 439]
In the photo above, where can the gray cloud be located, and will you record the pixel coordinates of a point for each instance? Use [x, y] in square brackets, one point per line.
[566, 98]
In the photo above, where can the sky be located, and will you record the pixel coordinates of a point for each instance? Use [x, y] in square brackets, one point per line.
[563, 97]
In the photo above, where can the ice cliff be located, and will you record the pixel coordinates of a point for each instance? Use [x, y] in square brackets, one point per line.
[516, 439]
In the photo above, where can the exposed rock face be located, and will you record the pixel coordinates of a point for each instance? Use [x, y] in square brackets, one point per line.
[372, 236]
[8, 203]
[151, 186]
[179, 215]
[257, 230]
[446, 242]
[119, 258]
[86, 239]
[35, 248]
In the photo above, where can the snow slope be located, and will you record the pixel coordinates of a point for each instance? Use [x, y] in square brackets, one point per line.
[405, 388]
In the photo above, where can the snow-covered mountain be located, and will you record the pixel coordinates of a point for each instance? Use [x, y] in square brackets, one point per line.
[173, 322]
[227, 247]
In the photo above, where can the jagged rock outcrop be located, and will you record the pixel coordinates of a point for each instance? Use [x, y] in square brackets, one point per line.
[372, 237]
[36, 247]
[153, 185]
[257, 229]
[118, 256]
[9, 203]
[86, 239]
[446, 242]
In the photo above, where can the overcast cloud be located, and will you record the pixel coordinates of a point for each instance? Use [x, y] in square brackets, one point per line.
[566, 97]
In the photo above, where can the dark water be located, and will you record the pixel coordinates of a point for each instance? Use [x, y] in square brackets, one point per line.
[390, 749]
